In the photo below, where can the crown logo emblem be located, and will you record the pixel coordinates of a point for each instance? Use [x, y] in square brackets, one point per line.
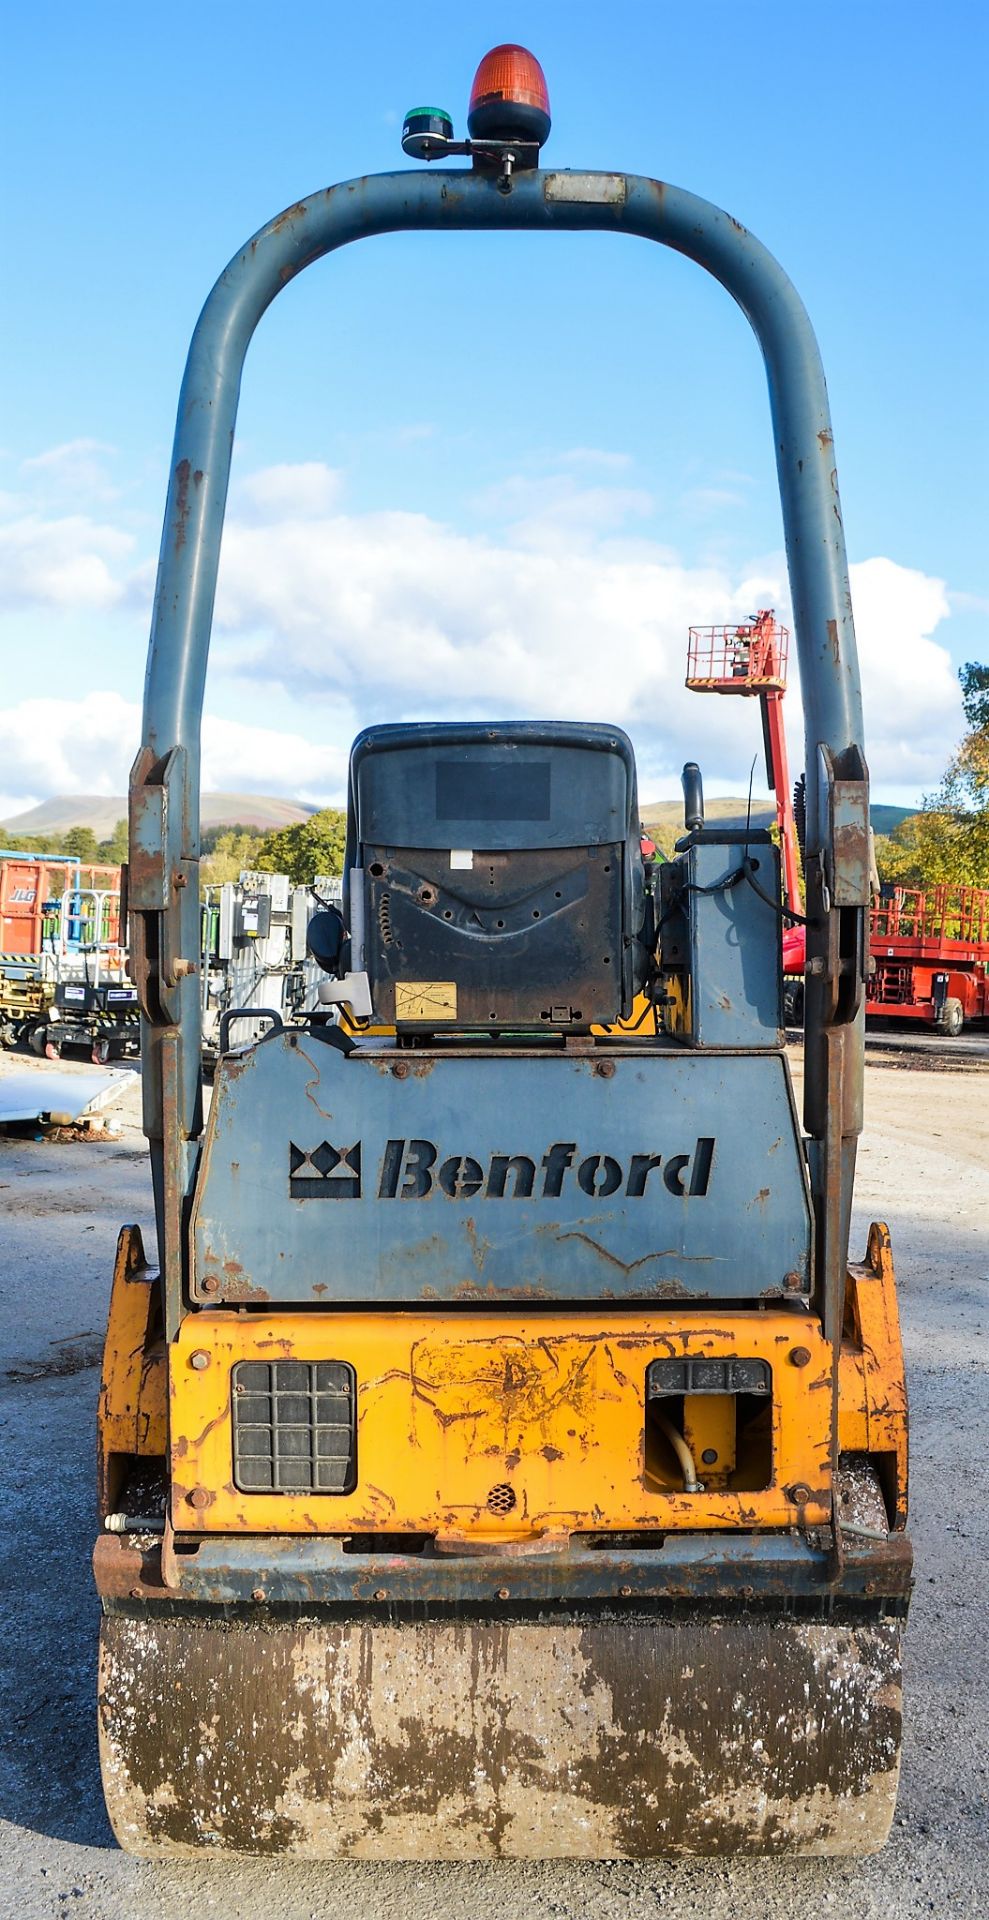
[325, 1172]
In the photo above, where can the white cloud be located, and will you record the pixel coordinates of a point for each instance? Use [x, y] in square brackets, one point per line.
[241, 758]
[962, 602]
[67, 455]
[305, 491]
[413, 619]
[53, 745]
[77, 467]
[910, 692]
[554, 614]
[69, 562]
[50, 746]
[554, 609]
[545, 511]
[57, 558]
[408, 615]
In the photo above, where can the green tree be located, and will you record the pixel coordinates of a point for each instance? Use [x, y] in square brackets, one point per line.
[29, 842]
[231, 849]
[949, 839]
[974, 677]
[114, 850]
[958, 813]
[81, 842]
[309, 847]
[900, 855]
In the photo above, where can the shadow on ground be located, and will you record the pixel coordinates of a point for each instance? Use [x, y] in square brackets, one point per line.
[49, 1774]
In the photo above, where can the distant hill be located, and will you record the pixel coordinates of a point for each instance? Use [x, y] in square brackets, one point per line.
[67, 810]
[665, 817]
[262, 811]
[884, 819]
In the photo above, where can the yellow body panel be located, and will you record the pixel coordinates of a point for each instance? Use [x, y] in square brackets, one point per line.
[133, 1396]
[449, 1408]
[872, 1388]
[709, 1429]
[670, 1015]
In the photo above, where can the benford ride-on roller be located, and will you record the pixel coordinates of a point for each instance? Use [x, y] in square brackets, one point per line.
[503, 1457]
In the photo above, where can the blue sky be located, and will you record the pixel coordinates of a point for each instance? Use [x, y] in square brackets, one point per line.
[480, 474]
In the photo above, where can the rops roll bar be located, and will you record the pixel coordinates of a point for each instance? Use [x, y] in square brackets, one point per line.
[164, 796]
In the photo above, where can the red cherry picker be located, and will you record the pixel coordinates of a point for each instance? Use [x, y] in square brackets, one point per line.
[928, 951]
[750, 658]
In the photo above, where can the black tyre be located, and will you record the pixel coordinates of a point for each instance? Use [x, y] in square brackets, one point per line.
[38, 1040]
[951, 1019]
[101, 1052]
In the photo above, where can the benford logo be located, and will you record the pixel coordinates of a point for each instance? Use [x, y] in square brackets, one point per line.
[414, 1170]
[325, 1172]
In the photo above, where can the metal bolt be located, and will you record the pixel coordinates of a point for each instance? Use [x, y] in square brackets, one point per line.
[401, 1069]
[604, 1069]
[199, 1360]
[183, 968]
[800, 1356]
[798, 1494]
[709, 1456]
[135, 1593]
[258, 1593]
[792, 1281]
[181, 880]
[199, 1498]
[502, 1593]
[380, 1594]
[625, 1591]
[211, 1284]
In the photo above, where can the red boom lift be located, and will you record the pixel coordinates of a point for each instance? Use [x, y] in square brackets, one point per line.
[929, 951]
[751, 659]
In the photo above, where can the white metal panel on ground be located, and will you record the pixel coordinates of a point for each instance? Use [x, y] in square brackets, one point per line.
[28, 1093]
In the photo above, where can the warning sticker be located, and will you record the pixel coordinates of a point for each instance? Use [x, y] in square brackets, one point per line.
[425, 999]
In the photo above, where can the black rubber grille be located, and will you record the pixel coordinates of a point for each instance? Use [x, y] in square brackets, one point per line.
[294, 1426]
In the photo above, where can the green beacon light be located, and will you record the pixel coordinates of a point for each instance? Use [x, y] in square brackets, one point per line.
[426, 133]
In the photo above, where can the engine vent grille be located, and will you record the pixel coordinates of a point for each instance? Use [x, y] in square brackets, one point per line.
[294, 1426]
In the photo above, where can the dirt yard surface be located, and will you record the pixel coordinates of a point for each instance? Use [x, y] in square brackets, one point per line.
[924, 1167]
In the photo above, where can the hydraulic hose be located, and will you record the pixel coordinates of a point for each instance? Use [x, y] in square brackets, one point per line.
[691, 1484]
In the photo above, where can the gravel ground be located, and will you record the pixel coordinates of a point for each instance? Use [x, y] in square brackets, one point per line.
[924, 1166]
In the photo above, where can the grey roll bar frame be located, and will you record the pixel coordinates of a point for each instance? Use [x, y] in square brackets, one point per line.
[163, 890]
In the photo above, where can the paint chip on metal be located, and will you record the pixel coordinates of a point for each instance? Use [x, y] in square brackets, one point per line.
[596, 189]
